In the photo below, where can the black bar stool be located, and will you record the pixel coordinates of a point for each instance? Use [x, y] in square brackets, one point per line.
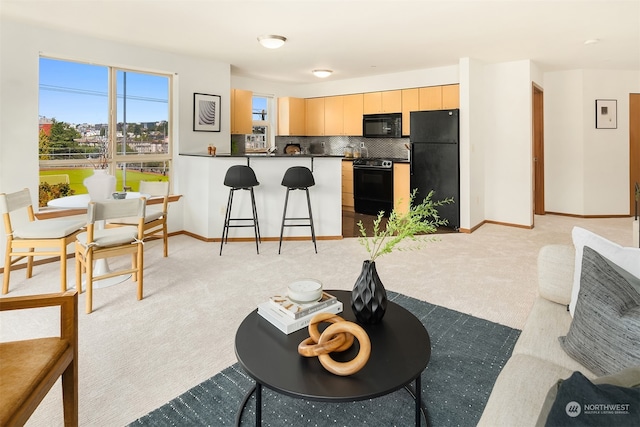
[240, 177]
[298, 178]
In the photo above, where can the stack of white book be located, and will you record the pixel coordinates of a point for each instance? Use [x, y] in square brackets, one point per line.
[290, 316]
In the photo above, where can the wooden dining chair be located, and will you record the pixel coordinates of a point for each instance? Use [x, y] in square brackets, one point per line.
[155, 220]
[101, 243]
[25, 234]
[29, 368]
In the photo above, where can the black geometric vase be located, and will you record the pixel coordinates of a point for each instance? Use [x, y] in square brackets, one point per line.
[368, 297]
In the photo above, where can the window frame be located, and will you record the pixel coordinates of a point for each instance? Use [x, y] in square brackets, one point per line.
[113, 158]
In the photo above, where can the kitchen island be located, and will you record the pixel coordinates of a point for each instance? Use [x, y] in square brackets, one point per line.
[205, 195]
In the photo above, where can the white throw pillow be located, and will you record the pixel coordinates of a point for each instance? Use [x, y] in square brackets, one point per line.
[626, 258]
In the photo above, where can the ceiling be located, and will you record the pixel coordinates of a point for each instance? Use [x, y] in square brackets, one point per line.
[357, 38]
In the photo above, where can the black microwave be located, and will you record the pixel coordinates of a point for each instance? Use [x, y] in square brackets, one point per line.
[382, 125]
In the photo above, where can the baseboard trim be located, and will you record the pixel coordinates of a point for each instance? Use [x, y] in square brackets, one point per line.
[488, 221]
[587, 216]
[472, 229]
[529, 227]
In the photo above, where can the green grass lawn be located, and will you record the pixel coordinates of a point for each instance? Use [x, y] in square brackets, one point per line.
[77, 176]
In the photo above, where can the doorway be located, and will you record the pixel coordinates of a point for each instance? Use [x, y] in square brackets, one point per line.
[538, 150]
[634, 148]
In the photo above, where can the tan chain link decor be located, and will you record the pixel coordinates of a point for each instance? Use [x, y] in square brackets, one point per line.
[337, 337]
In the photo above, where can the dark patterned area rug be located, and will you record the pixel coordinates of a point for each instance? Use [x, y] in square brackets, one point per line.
[467, 355]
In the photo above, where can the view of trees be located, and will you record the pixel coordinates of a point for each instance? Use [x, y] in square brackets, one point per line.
[64, 141]
[60, 139]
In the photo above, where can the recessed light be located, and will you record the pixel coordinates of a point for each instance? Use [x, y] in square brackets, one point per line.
[322, 73]
[272, 41]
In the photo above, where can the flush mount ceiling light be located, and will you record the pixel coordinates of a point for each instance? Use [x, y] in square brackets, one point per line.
[272, 41]
[322, 73]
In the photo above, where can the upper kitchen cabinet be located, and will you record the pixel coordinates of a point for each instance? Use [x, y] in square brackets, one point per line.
[334, 115]
[382, 102]
[241, 114]
[314, 116]
[353, 108]
[439, 97]
[450, 97]
[430, 98]
[410, 102]
[343, 115]
[372, 102]
[392, 101]
[291, 116]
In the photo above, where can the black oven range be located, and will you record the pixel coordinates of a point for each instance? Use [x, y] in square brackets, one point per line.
[373, 185]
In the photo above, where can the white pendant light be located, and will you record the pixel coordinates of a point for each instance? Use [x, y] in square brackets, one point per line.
[272, 41]
[322, 73]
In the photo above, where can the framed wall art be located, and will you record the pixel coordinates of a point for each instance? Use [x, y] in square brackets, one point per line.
[206, 112]
[606, 114]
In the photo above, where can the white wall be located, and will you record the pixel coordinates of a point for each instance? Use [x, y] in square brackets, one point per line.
[563, 142]
[508, 150]
[587, 169]
[473, 142]
[418, 78]
[21, 45]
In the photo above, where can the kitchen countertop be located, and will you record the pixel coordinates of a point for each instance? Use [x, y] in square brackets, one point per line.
[393, 159]
[285, 156]
[252, 155]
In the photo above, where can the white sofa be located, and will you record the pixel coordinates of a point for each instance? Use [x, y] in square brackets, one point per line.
[538, 361]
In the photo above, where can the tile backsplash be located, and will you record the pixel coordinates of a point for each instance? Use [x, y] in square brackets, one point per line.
[335, 145]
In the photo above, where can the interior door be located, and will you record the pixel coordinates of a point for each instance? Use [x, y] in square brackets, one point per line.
[634, 147]
[538, 151]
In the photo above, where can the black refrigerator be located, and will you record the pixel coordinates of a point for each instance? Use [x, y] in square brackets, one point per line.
[435, 159]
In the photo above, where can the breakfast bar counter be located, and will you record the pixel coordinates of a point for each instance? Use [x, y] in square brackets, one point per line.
[206, 195]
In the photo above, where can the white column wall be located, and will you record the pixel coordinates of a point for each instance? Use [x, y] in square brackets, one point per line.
[563, 142]
[508, 154]
[472, 143]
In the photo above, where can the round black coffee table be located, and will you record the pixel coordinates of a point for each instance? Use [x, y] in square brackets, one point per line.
[400, 351]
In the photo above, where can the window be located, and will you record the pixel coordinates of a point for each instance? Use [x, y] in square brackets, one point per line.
[260, 108]
[261, 139]
[98, 116]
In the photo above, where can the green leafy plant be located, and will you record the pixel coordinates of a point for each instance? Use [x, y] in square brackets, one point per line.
[48, 192]
[419, 220]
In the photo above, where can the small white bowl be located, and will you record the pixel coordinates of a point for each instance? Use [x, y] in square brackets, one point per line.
[305, 290]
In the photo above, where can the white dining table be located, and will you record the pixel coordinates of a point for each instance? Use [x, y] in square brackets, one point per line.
[101, 266]
[81, 201]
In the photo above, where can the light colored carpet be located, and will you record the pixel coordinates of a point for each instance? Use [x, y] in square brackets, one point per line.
[137, 355]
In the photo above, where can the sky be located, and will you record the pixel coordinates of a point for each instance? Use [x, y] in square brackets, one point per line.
[76, 93]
